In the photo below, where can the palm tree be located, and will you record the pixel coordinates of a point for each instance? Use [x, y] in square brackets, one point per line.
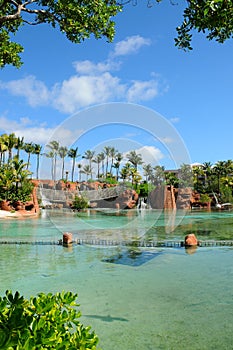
[50, 155]
[54, 146]
[19, 145]
[10, 141]
[29, 149]
[185, 175]
[37, 152]
[19, 172]
[148, 171]
[220, 170]
[107, 152]
[229, 167]
[117, 163]
[134, 158]
[207, 168]
[73, 153]
[102, 158]
[89, 155]
[113, 152]
[159, 175]
[3, 149]
[63, 151]
[171, 179]
[198, 174]
[126, 171]
[86, 170]
[135, 176]
[79, 173]
[98, 160]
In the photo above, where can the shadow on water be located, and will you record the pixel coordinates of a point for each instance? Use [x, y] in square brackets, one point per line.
[107, 318]
[133, 257]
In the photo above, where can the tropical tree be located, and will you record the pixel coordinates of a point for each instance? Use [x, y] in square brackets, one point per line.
[198, 176]
[171, 179]
[208, 172]
[134, 158]
[19, 145]
[73, 154]
[220, 170]
[126, 171]
[19, 172]
[14, 183]
[63, 151]
[50, 155]
[87, 170]
[37, 152]
[10, 142]
[185, 175]
[102, 157]
[211, 17]
[98, 160]
[78, 20]
[135, 176]
[148, 171]
[3, 149]
[107, 152]
[54, 147]
[89, 155]
[79, 173]
[29, 149]
[117, 164]
[158, 175]
[113, 153]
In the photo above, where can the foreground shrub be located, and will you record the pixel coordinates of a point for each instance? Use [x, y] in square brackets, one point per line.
[47, 321]
[79, 203]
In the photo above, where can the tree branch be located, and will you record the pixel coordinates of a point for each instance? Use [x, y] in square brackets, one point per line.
[20, 7]
[14, 16]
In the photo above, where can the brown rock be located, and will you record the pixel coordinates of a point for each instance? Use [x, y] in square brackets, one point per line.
[67, 238]
[190, 240]
[5, 205]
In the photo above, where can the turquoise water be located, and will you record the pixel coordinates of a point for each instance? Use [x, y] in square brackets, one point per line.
[145, 298]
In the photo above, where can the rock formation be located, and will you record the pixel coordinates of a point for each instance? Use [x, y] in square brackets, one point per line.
[184, 198]
[168, 197]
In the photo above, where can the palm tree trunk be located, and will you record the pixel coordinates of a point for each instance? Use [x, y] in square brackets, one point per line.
[72, 175]
[37, 166]
[63, 165]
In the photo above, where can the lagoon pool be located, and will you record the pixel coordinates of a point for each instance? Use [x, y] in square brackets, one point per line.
[142, 298]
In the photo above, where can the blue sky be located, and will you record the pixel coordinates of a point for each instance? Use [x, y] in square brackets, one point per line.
[191, 91]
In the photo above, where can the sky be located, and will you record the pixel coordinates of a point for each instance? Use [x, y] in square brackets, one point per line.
[139, 92]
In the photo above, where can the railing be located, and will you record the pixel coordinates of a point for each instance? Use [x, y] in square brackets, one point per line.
[51, 195]
[126, 243]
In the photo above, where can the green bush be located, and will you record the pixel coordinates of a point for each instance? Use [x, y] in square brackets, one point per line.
[79, 203]
[204, 198]
[47, 321]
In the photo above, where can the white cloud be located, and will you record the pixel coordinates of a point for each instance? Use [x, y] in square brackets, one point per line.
[35, 91]
[89, 68]
[92, 83]
[39, 133]
[130, 45]
[150, 154]
[175, 120]
[142, 90]
[167, 140]
[83, 91]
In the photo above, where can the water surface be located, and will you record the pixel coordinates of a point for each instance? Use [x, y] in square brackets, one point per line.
[134, 298]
